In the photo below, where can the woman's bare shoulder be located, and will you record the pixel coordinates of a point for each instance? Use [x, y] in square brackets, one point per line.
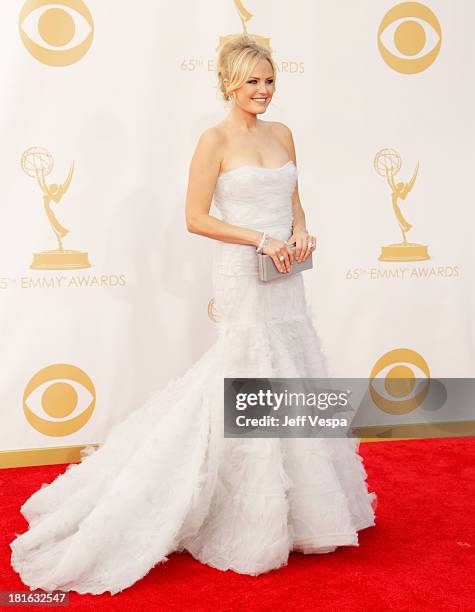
[210, 147]
[212, 136]
[284, 134]
[280, 128]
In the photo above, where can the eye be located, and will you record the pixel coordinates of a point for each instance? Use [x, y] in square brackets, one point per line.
[59, 400]
[55, 33]
[409, 37]
[399, 381]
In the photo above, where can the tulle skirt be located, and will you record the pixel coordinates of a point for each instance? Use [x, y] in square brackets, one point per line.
[165, 479]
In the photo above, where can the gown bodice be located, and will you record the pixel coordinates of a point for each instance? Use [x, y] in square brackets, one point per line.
[257, 197]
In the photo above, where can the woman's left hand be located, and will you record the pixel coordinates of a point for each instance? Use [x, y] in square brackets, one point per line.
[302, 240]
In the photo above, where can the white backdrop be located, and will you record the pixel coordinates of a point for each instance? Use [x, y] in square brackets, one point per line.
[123, 91]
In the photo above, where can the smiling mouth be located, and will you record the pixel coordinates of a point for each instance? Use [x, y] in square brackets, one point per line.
[259, 99]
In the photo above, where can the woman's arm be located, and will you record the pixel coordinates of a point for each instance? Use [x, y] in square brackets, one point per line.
[203, 174]
[300, 234]
[285, 136]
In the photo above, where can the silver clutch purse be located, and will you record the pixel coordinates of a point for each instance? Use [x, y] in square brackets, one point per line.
[268, 271]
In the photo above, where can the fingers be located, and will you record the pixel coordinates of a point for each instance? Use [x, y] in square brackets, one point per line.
[286, 261]
[307, 248]
[291, 255]
[278, 264]
[312, 244]
[282, 255]
[304, 253]
[283, 259]
[298, 249]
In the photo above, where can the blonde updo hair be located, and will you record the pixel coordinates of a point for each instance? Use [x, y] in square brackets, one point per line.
[236, 60]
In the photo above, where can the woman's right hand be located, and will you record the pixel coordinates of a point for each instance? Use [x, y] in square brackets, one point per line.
[278, 248]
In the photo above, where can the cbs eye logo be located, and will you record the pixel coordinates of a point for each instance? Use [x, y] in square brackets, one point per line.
[403, 382]
[56, 33]
[62, 399]
[409, 37]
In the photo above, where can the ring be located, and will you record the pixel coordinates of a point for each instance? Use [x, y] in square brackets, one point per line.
[311, 245]
[281, 258]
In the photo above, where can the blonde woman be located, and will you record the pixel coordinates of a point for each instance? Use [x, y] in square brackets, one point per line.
[166, 479]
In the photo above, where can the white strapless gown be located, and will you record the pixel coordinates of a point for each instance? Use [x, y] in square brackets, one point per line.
[165, 478]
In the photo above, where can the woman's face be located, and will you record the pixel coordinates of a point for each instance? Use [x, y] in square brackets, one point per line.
[256, 93]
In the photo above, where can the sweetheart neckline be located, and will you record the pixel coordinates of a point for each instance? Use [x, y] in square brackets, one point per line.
[291, 161]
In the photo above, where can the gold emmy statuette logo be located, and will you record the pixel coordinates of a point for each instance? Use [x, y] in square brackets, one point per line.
[53, 390]
[56, 33]
[399, 394]
[409, 37]
[244, 15]
[387, 163]
[37, 163]
[212, 314]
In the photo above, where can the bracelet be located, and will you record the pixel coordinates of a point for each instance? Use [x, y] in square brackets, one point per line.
[260, 246]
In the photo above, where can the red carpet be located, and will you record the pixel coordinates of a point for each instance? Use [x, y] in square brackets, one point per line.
[419, 556]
